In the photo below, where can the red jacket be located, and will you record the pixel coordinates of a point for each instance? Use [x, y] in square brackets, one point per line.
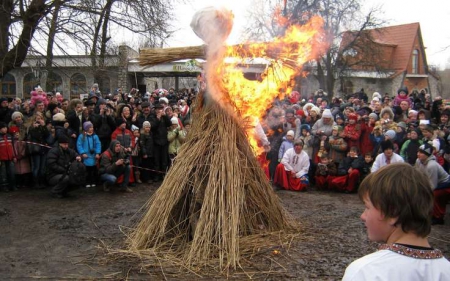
[6, 148]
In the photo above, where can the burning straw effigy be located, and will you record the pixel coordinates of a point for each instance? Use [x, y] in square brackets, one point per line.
[215, 206]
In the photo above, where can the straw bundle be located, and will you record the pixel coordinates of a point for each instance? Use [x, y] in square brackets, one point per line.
[149, 57]
[213, 197]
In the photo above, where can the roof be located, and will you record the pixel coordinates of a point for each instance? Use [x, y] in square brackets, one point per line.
[403, 36]
[399, 39]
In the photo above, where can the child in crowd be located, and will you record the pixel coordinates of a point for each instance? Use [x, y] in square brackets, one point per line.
[349, 172]
[7, 159]
[325, 172]
[410, 147]
[136, 153]
[22, 166]
[176, 137]
[89, 147]
[288, 142]
[367, 165]
[337, 145]
[397, 213]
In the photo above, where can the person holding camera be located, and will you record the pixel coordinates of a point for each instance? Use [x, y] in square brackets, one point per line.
[58, 162]
[89, 147]
[115, 167]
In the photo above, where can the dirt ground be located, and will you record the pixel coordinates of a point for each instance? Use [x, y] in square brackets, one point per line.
[43, 238]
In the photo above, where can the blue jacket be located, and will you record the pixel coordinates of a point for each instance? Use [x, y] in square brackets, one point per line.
[90, 145]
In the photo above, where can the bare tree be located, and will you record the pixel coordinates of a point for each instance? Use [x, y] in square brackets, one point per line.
[74, 26]
[338, 15]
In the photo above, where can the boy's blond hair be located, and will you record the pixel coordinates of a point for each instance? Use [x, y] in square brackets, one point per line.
[400, 191]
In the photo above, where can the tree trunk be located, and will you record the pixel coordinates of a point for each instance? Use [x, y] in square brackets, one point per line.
[105, 37]
[31, 18]
[5, 21]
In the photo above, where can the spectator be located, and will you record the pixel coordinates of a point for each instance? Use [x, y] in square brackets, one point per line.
[7, 159]
[89, 147]
[292, 172]
[397, 213]
[114, 167]
[386, 157]
[58, 162]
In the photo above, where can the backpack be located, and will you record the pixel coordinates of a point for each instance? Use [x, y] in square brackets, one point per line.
[77, 173]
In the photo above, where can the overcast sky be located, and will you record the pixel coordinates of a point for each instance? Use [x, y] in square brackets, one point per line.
[433, 16]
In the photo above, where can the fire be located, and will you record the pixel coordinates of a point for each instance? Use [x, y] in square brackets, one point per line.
[251, 98]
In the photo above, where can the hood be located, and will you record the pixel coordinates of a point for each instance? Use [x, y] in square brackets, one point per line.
[113, 144]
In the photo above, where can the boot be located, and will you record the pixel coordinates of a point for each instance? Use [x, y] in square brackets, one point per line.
[137, 174]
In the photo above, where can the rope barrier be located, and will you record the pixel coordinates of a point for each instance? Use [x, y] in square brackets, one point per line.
[137, 167]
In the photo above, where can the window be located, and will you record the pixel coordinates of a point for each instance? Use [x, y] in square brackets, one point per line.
[54, 82]
[77, 85]
[29, 83]
[348, 87]
[415, 62]
[8, 86]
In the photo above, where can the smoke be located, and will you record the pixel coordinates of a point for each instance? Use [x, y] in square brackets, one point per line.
[213, 25]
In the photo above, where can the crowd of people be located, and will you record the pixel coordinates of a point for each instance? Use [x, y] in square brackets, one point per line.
[115, 136]
[330, 144]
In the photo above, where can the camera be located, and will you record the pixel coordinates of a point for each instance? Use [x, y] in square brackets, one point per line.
[126, 158]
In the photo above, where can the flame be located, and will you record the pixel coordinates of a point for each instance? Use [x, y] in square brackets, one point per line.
[251, 98]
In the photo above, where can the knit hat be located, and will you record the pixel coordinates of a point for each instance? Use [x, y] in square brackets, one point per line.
[165, 100]
[16, 114]
[146, 124]
[305, 127]
[353, 116]
[59, 117]
[376, 95]
[327, 114]
[87, 125]
[290, 133]
[63, 139]
[403, 89]
[390, 133]
[174, 120]
[426, 149]
[374, 116]
[3, 99]
[401, 124]
[13, 129]
[386, 144]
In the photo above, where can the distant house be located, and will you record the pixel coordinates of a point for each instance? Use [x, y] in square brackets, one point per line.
[385, 59]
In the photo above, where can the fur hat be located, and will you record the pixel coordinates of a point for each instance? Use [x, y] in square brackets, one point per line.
[389, 111]
[290, 133]
[16, 114]
[376, 95]
[87, 125]
[390, 134]
[59, 117]
[134, 128]
[426, 149]
[146, 124]
[316, 110]
[327, 114]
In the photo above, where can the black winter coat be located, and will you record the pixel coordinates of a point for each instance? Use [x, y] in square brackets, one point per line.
[159, 129]
[349, 162]
[59, 160]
